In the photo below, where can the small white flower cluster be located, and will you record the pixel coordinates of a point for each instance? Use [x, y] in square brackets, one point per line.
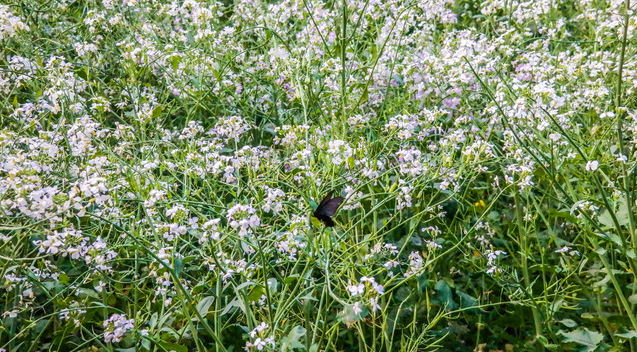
[244, 218]
[10, 24]
[70, 242]
[116, 327]
[211, 230]
[71, 313]
[191, 131]
[359, 289]
[289, 243]
[410, 161]
[403, 200]
[491, 256]
[288, 135]
[274, 200]
[592, 165]
[403, 125]
[340, 151]
[231, 127]
[258, 342]
[352, 198]
[566, 250]
[416, 264]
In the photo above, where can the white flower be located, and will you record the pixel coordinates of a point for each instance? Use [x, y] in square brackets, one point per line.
[374, 302]
[116, 326]
[592, 165]
[356, 307]
[356, 290]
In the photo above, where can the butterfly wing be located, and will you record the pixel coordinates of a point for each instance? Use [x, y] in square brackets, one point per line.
[327, 208]
[325, 200]
[330, 207]
[325, 219]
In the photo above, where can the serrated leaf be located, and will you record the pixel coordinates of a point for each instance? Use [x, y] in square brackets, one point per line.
[582, 336]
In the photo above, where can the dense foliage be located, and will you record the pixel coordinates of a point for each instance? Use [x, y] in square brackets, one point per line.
[160, 161]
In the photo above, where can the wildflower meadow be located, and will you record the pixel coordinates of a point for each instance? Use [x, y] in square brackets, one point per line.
[169, 170]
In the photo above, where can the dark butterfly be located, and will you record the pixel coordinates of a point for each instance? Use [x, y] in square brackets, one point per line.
[327, 208]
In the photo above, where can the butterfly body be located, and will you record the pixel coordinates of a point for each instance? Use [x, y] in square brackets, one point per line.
[327, 208]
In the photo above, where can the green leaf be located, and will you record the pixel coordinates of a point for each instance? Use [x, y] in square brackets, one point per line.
[466, 301]
[87, 292]
[444, 295]
[610, 237]
[204, 305]
[293, 340]
[621, 214]
[256, 293]
[156, 112]
[235, 303]
[273, 285]
[633, 299]
[168, 346]
[568, 323]
[628, 334]
[351, 313]
[562, 214]
[315, 222]
[175, 61]
[582, 336]
[63, 278]
[179, 266]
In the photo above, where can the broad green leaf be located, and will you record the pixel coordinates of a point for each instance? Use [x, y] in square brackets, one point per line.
[351, 313]
[582, 336]
[169, 346]
[204, 305]
[444, 295]
[293, 339]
